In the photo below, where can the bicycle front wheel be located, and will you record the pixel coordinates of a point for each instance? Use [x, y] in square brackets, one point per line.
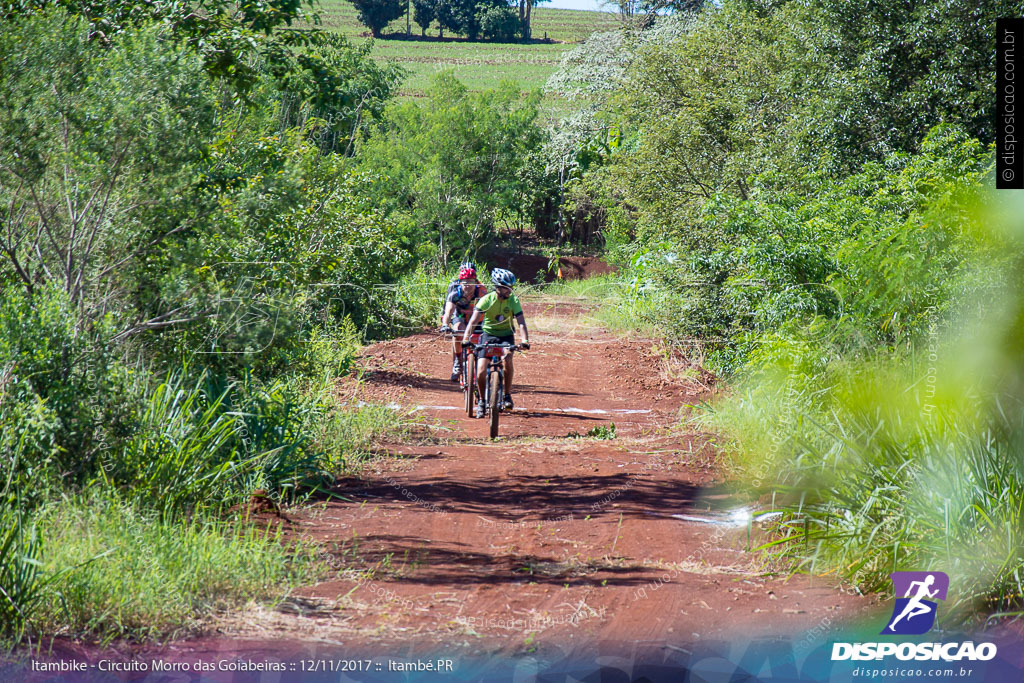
[469, 375]
[493, 401]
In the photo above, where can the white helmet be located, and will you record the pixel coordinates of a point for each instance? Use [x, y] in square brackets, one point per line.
[502, 277]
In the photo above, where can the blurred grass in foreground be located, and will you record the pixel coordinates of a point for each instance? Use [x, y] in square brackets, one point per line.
[905, 459]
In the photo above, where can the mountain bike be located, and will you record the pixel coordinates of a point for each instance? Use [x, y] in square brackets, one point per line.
[494, 388]
[467, 379]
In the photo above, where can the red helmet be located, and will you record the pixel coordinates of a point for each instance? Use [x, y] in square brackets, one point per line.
[467, 274]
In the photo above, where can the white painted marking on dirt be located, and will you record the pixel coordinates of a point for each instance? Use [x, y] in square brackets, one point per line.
[599, 411]
[389, 406]
[398, 406]
[707, 520]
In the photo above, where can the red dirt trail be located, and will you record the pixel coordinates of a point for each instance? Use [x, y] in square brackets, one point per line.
[537, 538]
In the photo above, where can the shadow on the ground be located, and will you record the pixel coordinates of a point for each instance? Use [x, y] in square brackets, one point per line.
[461, 565]
[534, 499]
[411, 380]
[561, 415]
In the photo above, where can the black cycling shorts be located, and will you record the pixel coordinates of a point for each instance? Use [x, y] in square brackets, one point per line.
[487, 338]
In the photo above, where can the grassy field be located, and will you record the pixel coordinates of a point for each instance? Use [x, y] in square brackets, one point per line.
[479, 65]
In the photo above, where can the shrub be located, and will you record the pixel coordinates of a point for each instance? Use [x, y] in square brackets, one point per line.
[64, 399]
[499, 22]
[905, 458]
[448, 170]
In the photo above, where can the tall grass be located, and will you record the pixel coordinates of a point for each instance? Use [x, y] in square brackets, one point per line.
[621, 304]
[184, 450]
[21, 587]
[141, 576]
[203, 442]
[143, 552]
[348, 437]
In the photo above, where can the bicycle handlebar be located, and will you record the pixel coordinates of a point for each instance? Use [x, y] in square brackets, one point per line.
[452, 334]
[502, 345]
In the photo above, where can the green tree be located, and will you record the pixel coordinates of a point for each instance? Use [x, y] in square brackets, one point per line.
[424, 14]
[121, 182]
[97, 172]
[705, 111]
[466, 15]
[451, 168]
[897, 72]
[333, 89]
[377, 14]
[447, 12]
[782, 89]
[227, 34]
[499, 22]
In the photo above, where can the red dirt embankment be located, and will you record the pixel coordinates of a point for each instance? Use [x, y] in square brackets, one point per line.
[527, 266]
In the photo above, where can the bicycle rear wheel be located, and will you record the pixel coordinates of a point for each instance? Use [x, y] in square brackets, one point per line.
[493, 401]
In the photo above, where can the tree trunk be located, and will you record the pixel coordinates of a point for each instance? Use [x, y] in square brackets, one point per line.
[527, 31]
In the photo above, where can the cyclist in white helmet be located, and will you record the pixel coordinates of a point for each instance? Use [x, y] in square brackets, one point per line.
[497, 310]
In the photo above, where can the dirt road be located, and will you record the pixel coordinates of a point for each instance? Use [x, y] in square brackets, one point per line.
[540, 538]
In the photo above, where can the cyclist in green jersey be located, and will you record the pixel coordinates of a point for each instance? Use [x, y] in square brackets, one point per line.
[497, 310]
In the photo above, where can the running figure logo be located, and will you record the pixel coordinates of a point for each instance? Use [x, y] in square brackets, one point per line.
[914, 613]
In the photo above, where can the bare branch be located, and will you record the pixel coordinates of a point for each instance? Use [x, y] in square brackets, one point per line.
[157, 324]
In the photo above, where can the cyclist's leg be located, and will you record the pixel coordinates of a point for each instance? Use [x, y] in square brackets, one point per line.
[481, 367]
[458, 325]
[481, 385]
[481, 377]
[509, 368]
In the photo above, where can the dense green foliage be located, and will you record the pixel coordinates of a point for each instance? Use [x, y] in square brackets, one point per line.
[739, 182]
[190, 256]
[455, 167]
[492, 19]
[204, 214]
[169, 229]
[227, 36]
[795, 196]
[902, 459]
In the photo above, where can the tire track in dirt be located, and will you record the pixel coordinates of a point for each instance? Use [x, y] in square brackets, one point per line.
[536, 539]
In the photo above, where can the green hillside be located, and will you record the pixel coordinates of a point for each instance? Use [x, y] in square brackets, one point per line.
[477, 64]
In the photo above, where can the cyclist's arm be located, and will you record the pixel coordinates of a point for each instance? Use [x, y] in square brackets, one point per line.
[521, 319]
[449, 308]
[471, 325]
